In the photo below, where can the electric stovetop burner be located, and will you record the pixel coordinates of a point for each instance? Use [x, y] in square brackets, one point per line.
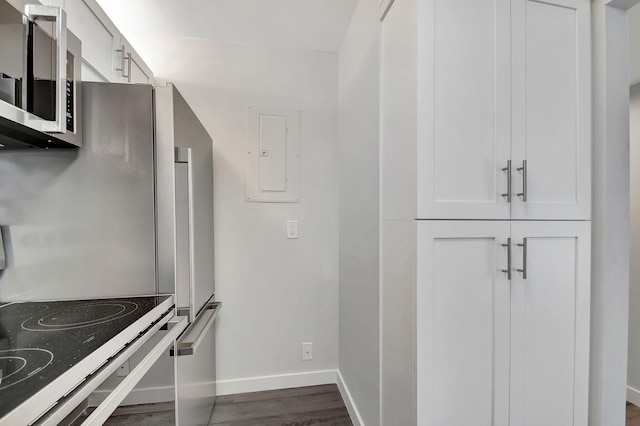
[17, 365]
[22, 310]
[84, 315]
[40, 341]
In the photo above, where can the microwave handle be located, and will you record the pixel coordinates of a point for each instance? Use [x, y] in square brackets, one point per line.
[56, 14]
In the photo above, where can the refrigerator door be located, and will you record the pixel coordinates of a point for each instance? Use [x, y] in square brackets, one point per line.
[184, 182]
[195, 369]
[185, 203]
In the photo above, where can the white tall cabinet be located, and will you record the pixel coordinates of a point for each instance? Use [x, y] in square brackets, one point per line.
[485, 234]
[510, 351]
[504, 104]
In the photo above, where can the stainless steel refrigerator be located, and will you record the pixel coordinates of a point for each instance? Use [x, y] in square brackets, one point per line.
[128, 213]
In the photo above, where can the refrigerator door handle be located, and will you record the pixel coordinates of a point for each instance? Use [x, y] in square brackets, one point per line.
[183, 156]
[206, 317]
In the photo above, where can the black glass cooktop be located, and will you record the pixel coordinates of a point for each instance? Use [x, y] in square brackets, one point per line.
[39, 341]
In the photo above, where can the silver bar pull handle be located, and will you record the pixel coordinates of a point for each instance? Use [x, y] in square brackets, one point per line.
[123, 58]
[524, 258]
[50, 13]
[508, 193]
[129, 67]
[523, 169]
[210, 311]
[508, 270]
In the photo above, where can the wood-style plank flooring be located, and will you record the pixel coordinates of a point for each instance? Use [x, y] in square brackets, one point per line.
[158, 414]
[633, 415]
[313, 405]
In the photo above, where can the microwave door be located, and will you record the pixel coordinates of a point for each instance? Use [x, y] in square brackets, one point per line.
[46, 68]
[184, 233]
[41, 73]
[12, 34]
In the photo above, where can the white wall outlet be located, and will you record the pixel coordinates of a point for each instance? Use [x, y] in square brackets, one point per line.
[307, 351]
[292, 229]
[123, 370]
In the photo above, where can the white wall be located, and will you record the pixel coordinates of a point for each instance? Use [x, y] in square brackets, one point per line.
[633, 368]
[359, 211]
[634, 43]
[276, 293]
[610, 213]
[401, 65]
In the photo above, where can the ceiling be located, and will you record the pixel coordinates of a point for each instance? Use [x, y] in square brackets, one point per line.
[317, 25]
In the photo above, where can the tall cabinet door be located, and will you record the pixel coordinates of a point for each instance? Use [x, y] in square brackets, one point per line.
[463, 109]
[462, 323]
[551, 111]
[550, 296]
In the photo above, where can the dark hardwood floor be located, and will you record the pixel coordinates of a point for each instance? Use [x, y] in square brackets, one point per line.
[633, 415]
[313, 405]
[158, 414]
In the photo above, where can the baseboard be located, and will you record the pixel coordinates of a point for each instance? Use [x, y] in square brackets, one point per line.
[281, 381]
[633, 396]
[348, 401]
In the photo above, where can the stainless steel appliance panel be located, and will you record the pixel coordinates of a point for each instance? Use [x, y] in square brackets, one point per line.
[80, 223]
[189, 132]
[165, 192]
[195, 385]
[184, 164]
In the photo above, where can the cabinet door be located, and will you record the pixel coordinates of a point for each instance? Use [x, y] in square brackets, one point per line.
[100, 39]
[551, 115]
[463, 109]
[550, 324]
[462, 324]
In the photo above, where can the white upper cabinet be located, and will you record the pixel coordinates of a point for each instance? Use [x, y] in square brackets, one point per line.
[463, 109]
[503, 109]
[106, 54]
[551, 109]
[100, 37]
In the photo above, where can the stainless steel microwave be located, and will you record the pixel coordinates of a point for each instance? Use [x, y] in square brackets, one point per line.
[40, 90]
